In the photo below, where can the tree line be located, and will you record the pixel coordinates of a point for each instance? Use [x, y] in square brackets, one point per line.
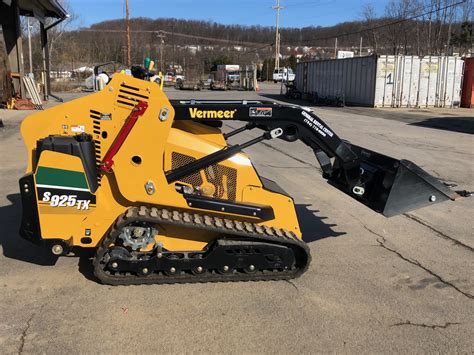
[412, 27]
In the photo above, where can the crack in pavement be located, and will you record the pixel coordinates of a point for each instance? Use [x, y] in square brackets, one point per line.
[423, 325]
[441, 234]
[292, 284]
[24, 333]
[417, 263]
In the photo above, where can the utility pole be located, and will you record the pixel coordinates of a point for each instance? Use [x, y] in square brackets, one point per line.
[30, 55]
[127, 24]
[124, 54]
[161, 36]
[277, 7]
[172, 39]
[360, 47]
[335, 49]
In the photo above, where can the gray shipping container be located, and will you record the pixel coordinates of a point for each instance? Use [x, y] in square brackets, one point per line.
[385, 81]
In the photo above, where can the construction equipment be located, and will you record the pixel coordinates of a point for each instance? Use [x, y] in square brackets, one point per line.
[154, 186]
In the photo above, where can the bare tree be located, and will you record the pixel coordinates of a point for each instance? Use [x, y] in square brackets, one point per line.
[462, 36]
[467, 11]
[56, 33]
[401, 33]
[369, 15]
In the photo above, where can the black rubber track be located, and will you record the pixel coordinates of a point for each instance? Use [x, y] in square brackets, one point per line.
[244, 230]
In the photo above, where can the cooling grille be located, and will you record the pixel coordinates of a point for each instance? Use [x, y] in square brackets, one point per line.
[96, 121]
[129, 96]
[223, 178]
[178, 160]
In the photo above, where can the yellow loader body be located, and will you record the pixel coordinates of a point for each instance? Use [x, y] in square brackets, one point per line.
[151, 148]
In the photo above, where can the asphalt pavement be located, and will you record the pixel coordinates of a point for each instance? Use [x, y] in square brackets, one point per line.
[375, 285]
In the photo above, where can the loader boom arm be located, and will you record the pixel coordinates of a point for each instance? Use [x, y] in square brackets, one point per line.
[385, 184]
[297, 122]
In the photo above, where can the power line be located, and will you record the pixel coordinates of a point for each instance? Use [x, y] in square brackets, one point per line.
[214, 39]
[177, 34]
[308, 3]
[396, 22]
[259, 49]
[245, 43]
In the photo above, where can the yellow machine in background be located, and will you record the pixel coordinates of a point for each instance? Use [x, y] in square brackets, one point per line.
[154, 186]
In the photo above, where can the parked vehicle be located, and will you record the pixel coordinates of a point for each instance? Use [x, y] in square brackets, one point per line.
[170, 78]
[285, 74]
[194, 85]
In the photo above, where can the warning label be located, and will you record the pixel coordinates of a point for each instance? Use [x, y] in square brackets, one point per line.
[261, 112]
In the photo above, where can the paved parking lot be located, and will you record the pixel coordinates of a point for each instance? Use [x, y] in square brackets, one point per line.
[404, 284]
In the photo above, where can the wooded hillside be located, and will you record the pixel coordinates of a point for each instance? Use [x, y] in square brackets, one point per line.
[419, 27]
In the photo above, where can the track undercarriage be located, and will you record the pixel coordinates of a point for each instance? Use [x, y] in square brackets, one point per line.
[244, 252]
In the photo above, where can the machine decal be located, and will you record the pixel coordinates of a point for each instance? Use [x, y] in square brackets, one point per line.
[61, 178]
[314, 124]
[65, 201]
[78, 129]
[63, 188]
[106, 116]
[217, 114]
[261, 112]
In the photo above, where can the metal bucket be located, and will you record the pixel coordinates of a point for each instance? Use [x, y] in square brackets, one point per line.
[391, 187]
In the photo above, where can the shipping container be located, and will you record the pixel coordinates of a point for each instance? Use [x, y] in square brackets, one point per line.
[384, 81]
[467, 99]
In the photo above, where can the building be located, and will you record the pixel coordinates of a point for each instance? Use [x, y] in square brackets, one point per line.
[10, 13]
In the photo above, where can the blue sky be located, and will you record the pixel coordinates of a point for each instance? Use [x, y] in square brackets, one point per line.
[298, 13]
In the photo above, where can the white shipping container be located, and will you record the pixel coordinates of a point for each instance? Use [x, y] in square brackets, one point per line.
[410, 81]
[385, 81]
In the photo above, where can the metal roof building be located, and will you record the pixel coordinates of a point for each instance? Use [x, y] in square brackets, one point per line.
[10, 12]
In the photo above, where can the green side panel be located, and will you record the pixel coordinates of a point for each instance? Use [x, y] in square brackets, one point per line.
[60, 177]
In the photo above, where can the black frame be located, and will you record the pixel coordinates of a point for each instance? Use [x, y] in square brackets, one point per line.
[365, 175]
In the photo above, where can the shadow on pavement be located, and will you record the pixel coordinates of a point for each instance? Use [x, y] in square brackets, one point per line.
[453, 124]
[283, 98]
[312, 227]
[15, 247]
[85, 266]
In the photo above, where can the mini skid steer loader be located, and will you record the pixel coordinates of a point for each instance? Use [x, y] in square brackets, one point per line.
[155, 188]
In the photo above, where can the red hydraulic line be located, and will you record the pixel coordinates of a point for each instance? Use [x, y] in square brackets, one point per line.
[137, 112]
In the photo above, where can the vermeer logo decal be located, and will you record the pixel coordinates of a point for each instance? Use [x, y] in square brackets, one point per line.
[217, 114]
